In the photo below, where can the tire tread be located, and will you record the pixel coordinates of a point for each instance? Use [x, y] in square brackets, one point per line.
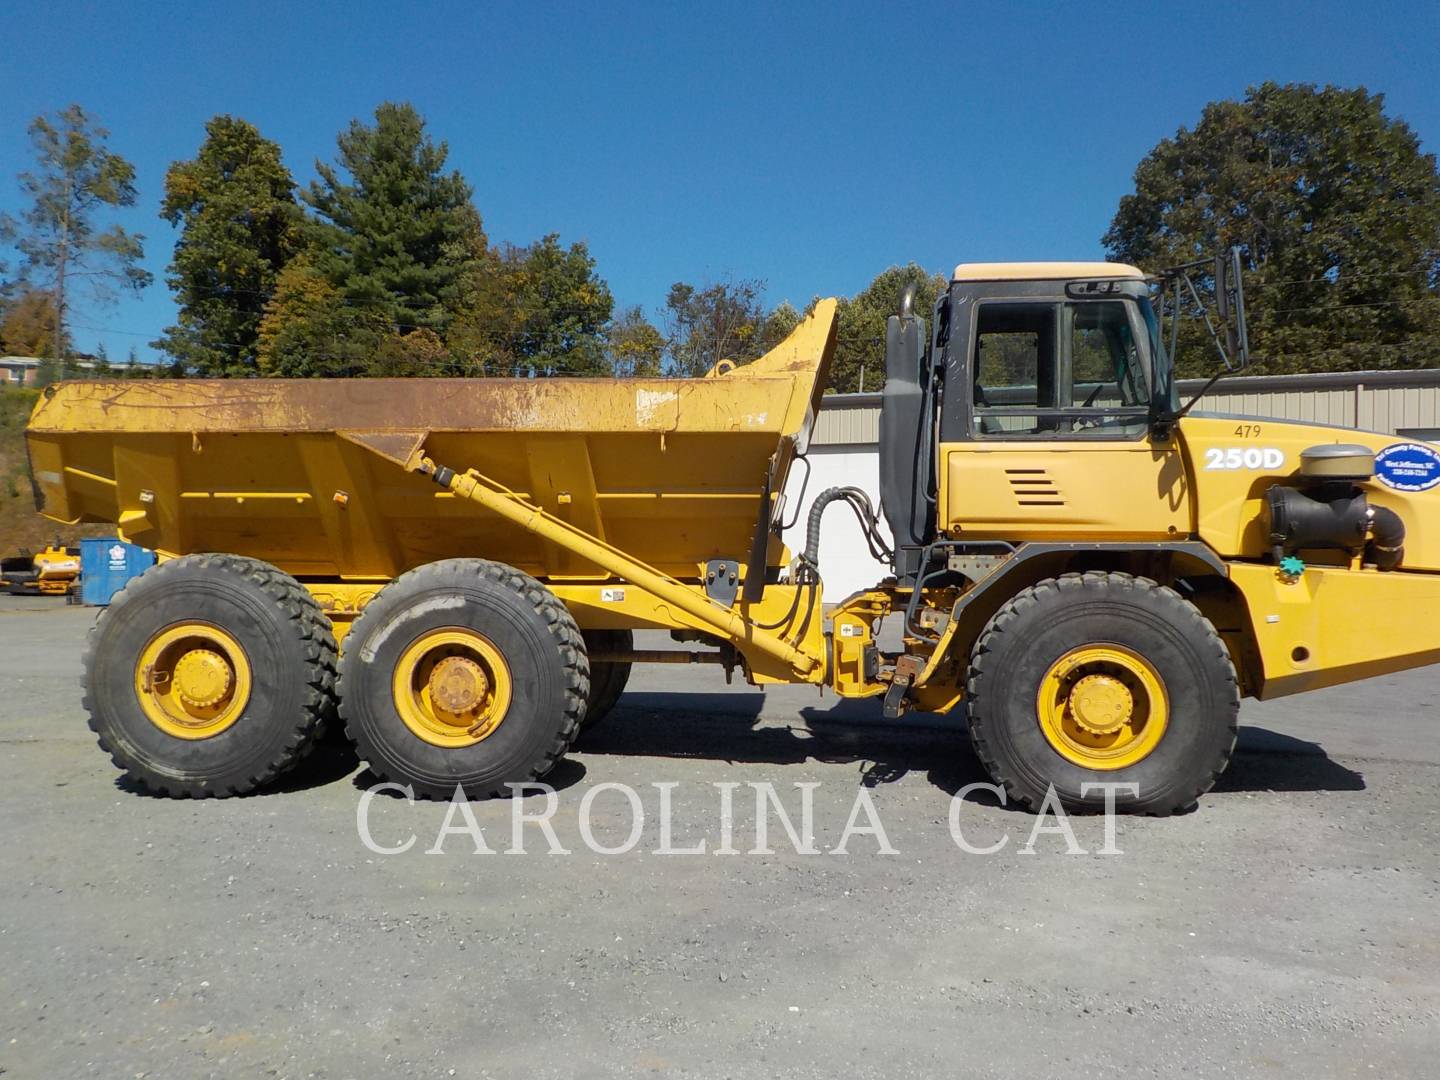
[1101, 583]
[568, 641]
[313, 631]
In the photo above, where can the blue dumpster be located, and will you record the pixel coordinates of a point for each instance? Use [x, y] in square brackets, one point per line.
[106, 564]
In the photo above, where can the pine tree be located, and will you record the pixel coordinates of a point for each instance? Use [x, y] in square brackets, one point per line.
[396, 233]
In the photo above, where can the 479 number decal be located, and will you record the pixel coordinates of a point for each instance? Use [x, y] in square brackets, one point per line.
[1249, 457]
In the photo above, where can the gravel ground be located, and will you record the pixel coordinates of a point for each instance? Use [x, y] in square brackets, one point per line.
[1287, 928]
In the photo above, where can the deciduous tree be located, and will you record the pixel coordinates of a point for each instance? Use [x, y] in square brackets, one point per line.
[860, 335]
[723, 321]
[535, 310]
[309, 330]
[234, 204]
[635, 347]
[777, 326]
[563, 307]
[417, 353]
[29, 325]
[67, 250]
[1335, 209]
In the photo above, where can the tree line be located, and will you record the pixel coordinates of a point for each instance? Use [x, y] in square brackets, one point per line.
[382, 266]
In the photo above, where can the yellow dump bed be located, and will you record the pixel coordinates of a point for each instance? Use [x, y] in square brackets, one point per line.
[668, 470]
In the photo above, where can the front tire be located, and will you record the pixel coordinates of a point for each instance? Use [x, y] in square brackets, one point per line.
[463, 672]
[1102, 678]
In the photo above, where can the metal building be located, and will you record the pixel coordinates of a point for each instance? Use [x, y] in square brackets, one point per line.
[844, 447]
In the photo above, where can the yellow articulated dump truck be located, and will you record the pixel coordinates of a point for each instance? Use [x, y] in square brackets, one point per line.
[1096, 571]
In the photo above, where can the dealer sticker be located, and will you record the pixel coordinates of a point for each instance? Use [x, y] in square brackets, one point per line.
[1408, 466]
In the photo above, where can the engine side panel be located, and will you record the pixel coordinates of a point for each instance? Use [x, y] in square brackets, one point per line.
[1232, 461]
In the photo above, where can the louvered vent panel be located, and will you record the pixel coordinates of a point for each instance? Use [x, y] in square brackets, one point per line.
[1033, 487]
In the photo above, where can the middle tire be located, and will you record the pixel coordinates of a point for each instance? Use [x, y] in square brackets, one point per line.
[463, 672]
[607, 677]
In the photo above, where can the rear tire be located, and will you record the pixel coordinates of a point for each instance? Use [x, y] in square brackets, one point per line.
[607, 678]
[261, 658]
[1034, 725]
[463, 672]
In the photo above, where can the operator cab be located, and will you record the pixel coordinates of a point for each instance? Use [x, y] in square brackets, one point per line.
[1020, 353]
[1052, 350]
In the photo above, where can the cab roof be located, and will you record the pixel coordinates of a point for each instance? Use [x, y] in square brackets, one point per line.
[1044, 271]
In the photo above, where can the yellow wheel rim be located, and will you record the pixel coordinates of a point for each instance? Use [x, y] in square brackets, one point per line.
[452, 687]
[1103, 707]
[193, 680]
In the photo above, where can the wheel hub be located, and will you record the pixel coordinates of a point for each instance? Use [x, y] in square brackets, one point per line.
[1101, 704]
[193, 680]
[202, 678]
[458, 684]
[452, 687]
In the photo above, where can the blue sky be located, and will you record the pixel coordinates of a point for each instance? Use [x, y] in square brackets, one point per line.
[809, 145]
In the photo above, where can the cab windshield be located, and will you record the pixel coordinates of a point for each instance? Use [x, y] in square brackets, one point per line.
[1166, 393]
[1104, 363]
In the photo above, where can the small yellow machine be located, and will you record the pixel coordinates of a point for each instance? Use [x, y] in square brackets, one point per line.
[51, 572]
[1094, 570]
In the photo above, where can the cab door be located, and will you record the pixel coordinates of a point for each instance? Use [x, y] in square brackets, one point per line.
[1054, 439]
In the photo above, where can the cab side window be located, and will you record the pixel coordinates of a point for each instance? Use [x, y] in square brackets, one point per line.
[1051, 369]
[1014, 365]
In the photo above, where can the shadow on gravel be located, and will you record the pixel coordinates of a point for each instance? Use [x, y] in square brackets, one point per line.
[724, 728]
[1266, 760]
[564, 775]
[332, 759]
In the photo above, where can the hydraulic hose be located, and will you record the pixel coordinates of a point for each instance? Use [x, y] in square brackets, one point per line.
[860, 503]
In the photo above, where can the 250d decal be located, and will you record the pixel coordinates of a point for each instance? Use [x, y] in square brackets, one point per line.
[1249, 457]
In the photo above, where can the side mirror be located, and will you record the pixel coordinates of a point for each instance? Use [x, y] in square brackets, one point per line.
[1234, 346]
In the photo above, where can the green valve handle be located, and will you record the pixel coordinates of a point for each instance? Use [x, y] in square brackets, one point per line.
[1292, 566]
